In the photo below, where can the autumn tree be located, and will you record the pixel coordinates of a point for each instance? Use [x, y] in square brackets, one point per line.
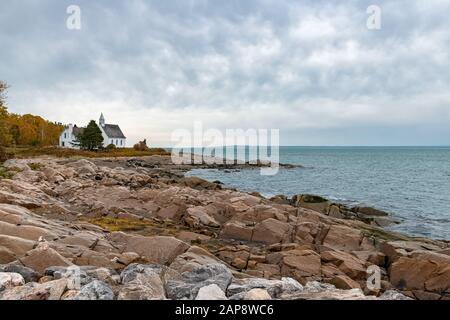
[90, 138]
[26, 130]
[5, 137]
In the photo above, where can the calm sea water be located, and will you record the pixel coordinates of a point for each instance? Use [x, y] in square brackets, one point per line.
[412, 183]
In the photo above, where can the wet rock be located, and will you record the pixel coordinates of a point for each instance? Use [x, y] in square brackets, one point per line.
[312, 202]
[370, 211]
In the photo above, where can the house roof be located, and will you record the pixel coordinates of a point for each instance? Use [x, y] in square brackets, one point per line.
[113, 131]
[76, 130]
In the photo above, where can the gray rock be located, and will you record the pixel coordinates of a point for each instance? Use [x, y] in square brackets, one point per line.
[239, 287]
[200, 276]
[131, 271]
[290, 285]
[142, 282]
[10, 279]
[393, 295]
[28, 274]
[315, 286]
[75, 275]
[95, 290]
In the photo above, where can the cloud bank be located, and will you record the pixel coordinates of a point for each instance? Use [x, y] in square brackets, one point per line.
[310, 68]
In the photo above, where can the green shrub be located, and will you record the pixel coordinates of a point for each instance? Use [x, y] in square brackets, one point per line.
[110, 147]
[35, 166]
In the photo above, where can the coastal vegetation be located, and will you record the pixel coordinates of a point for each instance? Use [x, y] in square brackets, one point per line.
[90, 138]
[30, 135]
[23, 130]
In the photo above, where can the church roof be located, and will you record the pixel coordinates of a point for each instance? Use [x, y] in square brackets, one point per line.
[113, 131]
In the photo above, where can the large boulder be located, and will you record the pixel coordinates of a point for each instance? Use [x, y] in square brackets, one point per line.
[303, 265]
[43, 257]
[141, 282]
[197, 216]
[343, 238]
[29, 275]
[10, 279]
[236, 230]
[29, 291]
[193, 258]
[211, 292]
[431, 272]
[271, 231]
[157, 249]
[345, 262]
[95, 290]
[25, 231]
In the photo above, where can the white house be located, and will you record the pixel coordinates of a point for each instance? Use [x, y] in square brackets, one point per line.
[112, 134]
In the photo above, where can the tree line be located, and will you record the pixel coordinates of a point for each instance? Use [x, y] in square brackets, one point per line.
[27, 129]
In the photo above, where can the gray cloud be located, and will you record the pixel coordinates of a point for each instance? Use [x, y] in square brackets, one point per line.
[310, 68]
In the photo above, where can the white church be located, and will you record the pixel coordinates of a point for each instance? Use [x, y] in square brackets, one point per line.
[112, 134]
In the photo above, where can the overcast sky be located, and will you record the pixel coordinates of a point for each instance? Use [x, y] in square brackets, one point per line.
[310, 68]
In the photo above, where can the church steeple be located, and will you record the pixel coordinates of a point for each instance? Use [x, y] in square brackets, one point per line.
[101, 121]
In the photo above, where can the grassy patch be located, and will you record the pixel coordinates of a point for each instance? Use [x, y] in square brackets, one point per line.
[35, 166]
[5, 173]
[27, 152]
[119, 224]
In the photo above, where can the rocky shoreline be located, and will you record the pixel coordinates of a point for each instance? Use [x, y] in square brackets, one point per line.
[137, 228]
